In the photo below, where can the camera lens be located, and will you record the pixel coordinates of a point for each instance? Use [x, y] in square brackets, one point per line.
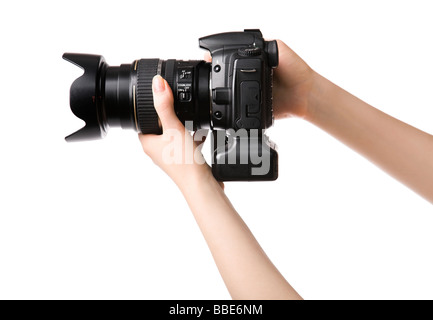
[106, 96]
[189, 81]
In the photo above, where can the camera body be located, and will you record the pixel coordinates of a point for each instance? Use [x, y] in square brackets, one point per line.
[241, 90]
[231, 96]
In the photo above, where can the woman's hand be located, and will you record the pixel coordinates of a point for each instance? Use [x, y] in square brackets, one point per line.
[247, 271]
[175, 151]
[293, 83]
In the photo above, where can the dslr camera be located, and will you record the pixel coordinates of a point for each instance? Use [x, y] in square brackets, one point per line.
[231, 96]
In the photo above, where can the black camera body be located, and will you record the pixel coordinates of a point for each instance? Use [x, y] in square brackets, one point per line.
[232, 96]
[241, 86]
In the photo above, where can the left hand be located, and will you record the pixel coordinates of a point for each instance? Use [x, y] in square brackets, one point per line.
[175, 151]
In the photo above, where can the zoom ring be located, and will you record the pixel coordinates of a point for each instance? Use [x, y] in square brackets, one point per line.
[147, 117]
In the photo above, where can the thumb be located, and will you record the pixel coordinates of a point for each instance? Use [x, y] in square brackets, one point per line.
[163, 102]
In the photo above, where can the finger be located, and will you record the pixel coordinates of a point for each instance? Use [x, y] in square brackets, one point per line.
[163, 102]
[207, 57]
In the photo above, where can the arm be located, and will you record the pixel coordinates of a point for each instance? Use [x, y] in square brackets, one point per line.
[246, 270]
[401, 150]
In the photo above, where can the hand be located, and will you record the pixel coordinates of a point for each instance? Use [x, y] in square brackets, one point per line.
[293, 82]
[175, 151]
[237, 253]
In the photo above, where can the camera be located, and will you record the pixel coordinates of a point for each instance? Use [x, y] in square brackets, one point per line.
[231, 96]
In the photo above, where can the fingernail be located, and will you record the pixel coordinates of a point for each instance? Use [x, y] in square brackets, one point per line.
[158, 84]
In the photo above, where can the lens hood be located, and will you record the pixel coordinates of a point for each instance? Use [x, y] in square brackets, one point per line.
[85, 96]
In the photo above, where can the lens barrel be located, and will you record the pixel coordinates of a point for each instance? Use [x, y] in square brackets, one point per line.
[121, 96]
[189, 82]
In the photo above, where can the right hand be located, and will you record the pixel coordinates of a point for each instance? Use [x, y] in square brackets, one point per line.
[293, 82]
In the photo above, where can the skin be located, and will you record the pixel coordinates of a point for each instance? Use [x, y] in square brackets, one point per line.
[403, 151]
[246, 270]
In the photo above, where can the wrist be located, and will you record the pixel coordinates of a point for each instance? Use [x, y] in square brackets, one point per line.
[194, 177]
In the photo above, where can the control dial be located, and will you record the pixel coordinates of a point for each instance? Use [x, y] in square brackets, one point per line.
[249, 51]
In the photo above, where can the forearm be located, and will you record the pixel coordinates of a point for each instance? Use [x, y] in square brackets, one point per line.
[403, 151]
[246, 270]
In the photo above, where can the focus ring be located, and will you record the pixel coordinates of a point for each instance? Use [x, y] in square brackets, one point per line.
[147, 117]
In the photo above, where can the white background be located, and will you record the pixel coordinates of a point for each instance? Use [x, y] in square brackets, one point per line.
[99, 220]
